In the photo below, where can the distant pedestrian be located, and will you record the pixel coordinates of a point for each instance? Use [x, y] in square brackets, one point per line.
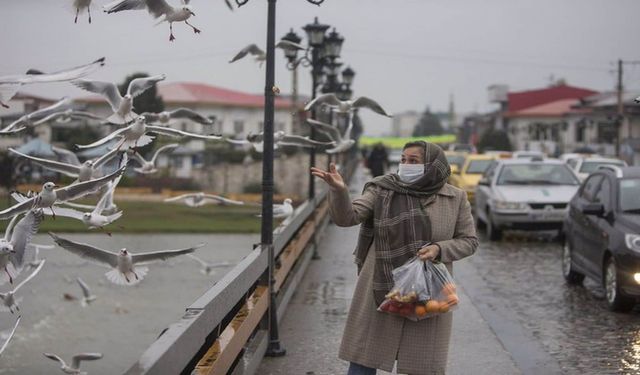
[414, 212]
[378, 160]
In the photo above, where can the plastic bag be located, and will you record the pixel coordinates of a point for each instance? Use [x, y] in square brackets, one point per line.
[421, 289]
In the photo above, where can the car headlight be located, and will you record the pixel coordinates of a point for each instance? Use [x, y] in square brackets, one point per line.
[510, 206]
[633, 241]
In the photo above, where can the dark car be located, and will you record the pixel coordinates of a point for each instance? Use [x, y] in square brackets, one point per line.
[602, 235]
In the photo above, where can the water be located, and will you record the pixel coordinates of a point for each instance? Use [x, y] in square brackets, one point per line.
[123, 321]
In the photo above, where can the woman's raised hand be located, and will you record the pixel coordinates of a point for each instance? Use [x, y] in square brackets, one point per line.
[332, 177]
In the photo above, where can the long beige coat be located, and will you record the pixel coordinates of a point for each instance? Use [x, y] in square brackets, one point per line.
[376, 339]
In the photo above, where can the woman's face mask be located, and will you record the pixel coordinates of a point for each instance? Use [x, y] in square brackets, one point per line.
[410, 173]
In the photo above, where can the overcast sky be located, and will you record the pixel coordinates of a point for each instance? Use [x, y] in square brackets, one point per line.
[407, 54]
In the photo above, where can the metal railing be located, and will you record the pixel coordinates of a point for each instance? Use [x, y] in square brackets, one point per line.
[224, 331]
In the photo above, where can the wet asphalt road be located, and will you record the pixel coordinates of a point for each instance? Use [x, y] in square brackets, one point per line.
[570, 324]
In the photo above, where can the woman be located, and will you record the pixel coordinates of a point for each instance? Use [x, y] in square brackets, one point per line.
[401, 215]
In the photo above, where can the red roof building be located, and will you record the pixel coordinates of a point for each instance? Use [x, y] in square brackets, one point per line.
[523, 103]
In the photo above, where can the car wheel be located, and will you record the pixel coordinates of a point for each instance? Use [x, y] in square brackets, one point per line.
[615, 300]
[493, 233]
[571, 276]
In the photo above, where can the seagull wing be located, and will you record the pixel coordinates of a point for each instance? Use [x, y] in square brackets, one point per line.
[138, 158]
[158, 7]
[330, 130]
[68, 169]
[67, 212]
[31, 276]
[121, 5]
[23, 233]
[80, 189]
[57, 107]
[179, 197]
[202, 262]
[191, 115]
[87, 251]
[363, 101]
[75, 361]
[223, 200]
[140, 85]
[16, 208]
[179, 133]
[170, 146]
[6, 342]
[62, 75]
[106, 139]
[150, 117]
[330, 99]
[12, 223]
[107, 89]
[251, 48]
[237, 141]
[85, 115]
[55, 358]
[289, 45]
[66, 155]
[7, 91]
[162, 255]
[15, 125]
[107, 196]
[298, 140]
[86, 292]
[99, 162]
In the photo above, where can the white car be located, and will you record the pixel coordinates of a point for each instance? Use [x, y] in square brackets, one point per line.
[585, 166]
[527, 154]
[524, 194]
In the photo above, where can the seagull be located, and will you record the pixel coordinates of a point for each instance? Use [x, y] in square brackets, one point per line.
[149, 167]
[74, 369]
[121, 105]
[209, 268]
[9, 85]
[260, 55]
[84, 172]
[87, 296]
[13, 331]
[35, 259]
[200, 199]
[65, 156]
[16, 238]
[8, 299]
[158, 9]
[81, 5]
[67, 115]
[282, 211]
[279, 139]
[49, 195]
[164, 117]
[134, 135]
[637, 100]
[124, 264]
[343, 142]
[29, 120]
[346, 106]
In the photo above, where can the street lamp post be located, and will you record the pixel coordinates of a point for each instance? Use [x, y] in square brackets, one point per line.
[274, 348]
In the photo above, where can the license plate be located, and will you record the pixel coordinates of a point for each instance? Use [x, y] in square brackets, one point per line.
[547, 215]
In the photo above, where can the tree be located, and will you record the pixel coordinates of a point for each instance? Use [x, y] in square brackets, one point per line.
[429, 124]
[148, 101]
[494, 139]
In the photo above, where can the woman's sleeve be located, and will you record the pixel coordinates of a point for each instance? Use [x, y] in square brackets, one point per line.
[346, 213]
[465, 241]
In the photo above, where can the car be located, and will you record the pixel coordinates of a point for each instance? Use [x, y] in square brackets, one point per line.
[461, 147]
[584, 166]
[471, 170]
[602, 235]
[455, 159]
[527, 154]
[524, 194]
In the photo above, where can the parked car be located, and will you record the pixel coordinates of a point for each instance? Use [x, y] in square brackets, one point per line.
[461, 147]
[526, 194]
[602, 235]
[455, 159]
[470, 172]
[584, 166]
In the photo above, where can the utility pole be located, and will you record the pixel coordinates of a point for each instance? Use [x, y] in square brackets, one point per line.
[620, 109]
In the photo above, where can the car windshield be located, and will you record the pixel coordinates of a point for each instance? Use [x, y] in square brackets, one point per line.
[455, 160]
[478, 166]
[592, 166]
[536, 174]
[629, 192]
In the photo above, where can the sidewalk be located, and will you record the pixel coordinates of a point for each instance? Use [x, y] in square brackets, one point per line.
[312, 327]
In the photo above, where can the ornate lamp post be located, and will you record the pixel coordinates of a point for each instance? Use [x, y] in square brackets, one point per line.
[274, 348]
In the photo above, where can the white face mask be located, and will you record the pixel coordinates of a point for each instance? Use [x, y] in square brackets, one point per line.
[410, 173]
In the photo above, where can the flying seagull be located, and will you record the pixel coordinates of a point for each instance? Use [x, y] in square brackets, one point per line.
[9, 85]
[13, 246]
[279, 139]
[13, 331]
[149, 167]
[164, 117]
[49, 195]
[637, 100]
[87, 296]
[32, 119]
[209, 268]
[125, 269]
[200, 199]
[346, 106]
[9, 300]
[342, 142]
[158, 9]
[74, 369]
[259, 55]
[68, 115]
[122, 106]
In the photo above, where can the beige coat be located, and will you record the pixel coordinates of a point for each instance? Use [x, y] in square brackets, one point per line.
[377, 339]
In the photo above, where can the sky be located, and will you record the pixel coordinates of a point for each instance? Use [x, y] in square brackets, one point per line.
[407, 54]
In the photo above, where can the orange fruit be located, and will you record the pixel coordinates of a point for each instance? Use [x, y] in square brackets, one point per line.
[420, 310]
[452, 299]
[449, 288]
[444, 308]
[432, 306]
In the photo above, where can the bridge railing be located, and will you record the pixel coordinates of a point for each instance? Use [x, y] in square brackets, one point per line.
[225, 330]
